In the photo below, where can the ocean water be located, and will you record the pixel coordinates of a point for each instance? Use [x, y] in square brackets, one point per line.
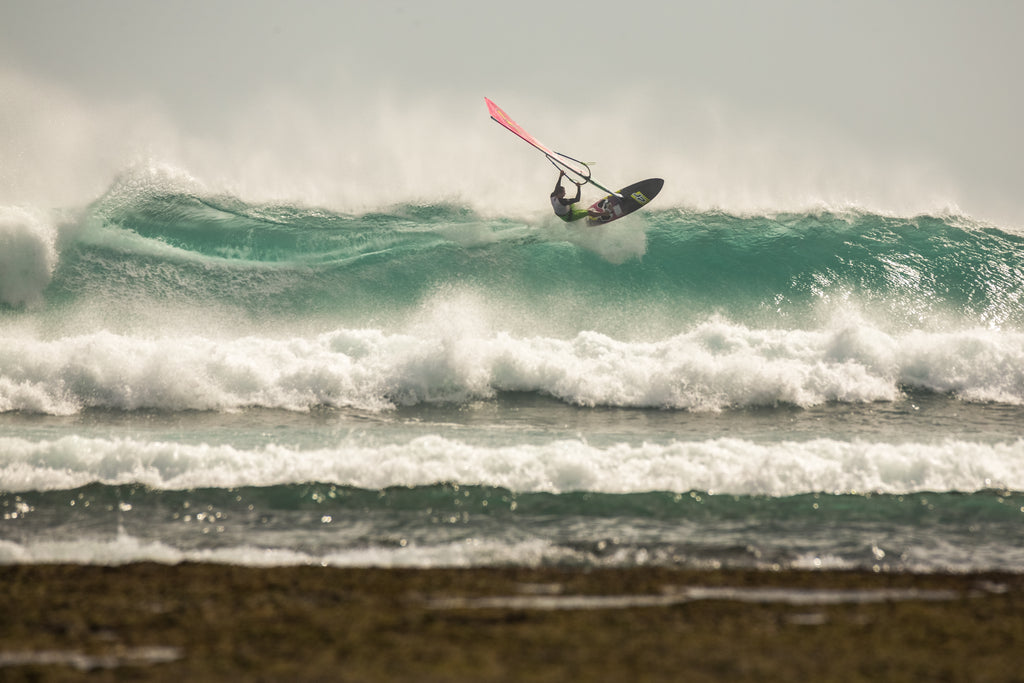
[186, 375]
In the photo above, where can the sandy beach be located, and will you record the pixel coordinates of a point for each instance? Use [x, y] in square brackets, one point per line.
[206, 622]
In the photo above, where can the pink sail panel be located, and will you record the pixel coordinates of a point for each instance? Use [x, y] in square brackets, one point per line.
[499, 115]
[564, 163]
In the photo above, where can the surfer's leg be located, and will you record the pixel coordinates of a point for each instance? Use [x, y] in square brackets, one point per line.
[578, 214]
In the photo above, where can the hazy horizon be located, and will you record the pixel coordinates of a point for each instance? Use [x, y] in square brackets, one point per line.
[890, 106]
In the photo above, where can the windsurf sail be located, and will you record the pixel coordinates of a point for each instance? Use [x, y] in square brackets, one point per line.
[563, 162]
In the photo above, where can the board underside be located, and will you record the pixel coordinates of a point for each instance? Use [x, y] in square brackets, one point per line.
[632, 197]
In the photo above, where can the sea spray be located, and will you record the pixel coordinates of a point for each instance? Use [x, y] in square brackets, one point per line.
[28, 255]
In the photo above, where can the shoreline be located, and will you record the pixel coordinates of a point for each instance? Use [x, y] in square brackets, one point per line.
[211, 622]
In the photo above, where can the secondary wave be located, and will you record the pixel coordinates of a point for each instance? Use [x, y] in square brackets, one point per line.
[714, 366]
[719, 466]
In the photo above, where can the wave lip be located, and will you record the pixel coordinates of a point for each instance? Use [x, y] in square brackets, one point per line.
[28, 256]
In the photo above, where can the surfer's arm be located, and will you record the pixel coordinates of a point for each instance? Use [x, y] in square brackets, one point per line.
[558, 182]
[577, 197]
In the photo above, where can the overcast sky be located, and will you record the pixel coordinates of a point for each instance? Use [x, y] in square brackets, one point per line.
[864, 99]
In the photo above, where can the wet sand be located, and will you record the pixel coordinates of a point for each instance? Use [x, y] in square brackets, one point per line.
[207, 622]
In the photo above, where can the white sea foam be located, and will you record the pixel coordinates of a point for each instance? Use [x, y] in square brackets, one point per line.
[920, 555]
[28, 255]
[455, 358]
[126, 549]
[722, 466]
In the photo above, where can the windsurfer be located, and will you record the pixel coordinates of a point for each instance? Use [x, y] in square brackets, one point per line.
[564, 208]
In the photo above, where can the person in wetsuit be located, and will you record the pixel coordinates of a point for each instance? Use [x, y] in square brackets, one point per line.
[564, 208]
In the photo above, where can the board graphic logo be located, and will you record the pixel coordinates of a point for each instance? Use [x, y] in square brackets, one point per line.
[639, 197]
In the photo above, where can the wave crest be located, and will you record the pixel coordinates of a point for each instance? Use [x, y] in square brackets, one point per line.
[28, 255]
[717, 365]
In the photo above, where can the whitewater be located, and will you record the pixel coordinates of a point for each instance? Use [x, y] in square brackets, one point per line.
[189, 375]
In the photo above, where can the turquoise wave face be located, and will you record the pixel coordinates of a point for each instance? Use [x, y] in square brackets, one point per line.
[661, 270]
